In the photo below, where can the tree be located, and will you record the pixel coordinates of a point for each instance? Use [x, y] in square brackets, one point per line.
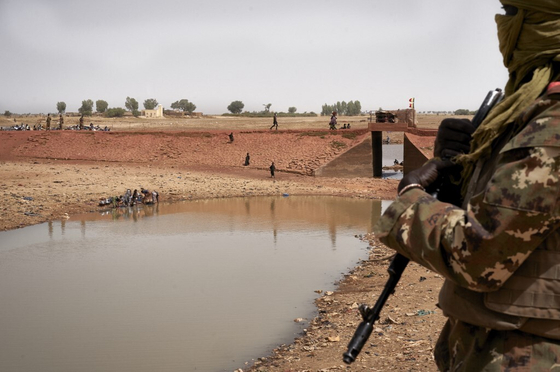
[61, 107]
[353, 108]
[150, 104]
[342, 108]
[236, 107]
[292, 110]
[131, 104]
[7, 113]
[87, 107]
[184, 105]
[115, 112]
[462, 112]
[101, 106]
[267, 107]
[357, 108]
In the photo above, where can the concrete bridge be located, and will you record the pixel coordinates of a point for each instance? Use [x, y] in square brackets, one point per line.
[365, 159]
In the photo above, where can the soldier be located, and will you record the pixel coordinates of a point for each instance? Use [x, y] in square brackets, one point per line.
[272, 170]
[48, 121]
[498, 243]
[60, 122]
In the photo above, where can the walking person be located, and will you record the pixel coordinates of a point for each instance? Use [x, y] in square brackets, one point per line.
[332, 122]
[274, 122]
[496, 236]
[272, 170]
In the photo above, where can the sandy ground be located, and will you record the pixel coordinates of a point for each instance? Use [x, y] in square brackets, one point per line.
[50, 175]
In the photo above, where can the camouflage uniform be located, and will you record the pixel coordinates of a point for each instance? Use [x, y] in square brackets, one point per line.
[499, 254]
[48, 122]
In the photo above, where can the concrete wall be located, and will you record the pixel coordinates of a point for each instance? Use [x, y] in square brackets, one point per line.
[418, 149]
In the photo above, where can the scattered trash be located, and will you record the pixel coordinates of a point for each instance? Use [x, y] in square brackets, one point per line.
[285, 194]
[425, 312]
[27, 198]
[333, 339]
[299, 320]
[390, 320]
[422, 278]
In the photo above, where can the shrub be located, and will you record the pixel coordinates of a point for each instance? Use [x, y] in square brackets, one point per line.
[115, 112]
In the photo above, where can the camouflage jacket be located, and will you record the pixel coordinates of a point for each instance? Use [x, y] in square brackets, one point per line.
[500, 253]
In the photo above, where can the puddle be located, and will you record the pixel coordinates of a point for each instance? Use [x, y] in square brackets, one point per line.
[200, 285]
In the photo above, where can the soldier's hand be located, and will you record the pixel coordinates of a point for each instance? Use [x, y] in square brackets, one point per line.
[427, 176]
[453, 138]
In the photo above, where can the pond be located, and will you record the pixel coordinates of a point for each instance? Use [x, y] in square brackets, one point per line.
[201, 285]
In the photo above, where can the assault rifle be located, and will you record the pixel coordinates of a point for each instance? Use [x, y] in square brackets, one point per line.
[399, 262]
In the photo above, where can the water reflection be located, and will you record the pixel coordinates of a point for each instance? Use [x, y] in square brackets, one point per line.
[201, 285]
[252, 213]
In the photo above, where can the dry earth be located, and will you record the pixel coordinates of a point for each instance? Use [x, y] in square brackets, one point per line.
[49, 175]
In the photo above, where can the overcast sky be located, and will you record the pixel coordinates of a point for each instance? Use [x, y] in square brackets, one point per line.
[301, 53]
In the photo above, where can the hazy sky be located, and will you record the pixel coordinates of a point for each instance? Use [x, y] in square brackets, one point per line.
[301, 53]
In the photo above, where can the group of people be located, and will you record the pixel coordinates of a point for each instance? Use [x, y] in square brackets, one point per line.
[48, 121]
[129, 198]
[18, 127]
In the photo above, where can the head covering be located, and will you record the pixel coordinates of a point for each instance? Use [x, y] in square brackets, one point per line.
[543, 6]
[529, 43]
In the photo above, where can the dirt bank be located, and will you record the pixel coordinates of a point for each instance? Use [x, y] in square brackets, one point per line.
[48, 175]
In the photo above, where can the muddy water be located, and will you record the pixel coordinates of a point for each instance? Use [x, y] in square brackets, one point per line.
[194, 286]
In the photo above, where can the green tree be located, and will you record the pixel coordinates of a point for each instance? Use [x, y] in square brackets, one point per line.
[353, 108]
[236, 107]
[350, 109]
[462, 112]
[101, 106]
[358, 107]
[184, 105]
[342, 108]
[7, 113]
[292, 110]
[87, 107]
[131, 104]
[61, 107]
[267, 107]
[150, 104]
[115, 112]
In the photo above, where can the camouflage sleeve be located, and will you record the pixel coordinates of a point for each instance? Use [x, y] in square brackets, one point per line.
[479, 248]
